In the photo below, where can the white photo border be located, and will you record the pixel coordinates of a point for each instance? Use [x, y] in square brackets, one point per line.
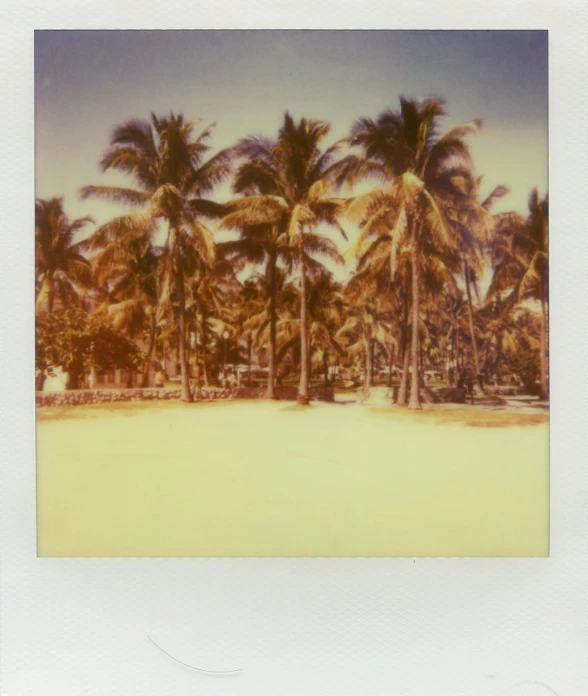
[298, 627]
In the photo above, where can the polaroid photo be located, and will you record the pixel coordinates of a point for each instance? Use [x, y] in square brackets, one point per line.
[306, 358]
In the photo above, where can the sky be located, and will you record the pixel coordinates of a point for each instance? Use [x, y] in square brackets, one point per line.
[86, 82]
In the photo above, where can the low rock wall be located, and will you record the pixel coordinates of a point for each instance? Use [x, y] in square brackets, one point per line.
[504, 390]
[77, 397]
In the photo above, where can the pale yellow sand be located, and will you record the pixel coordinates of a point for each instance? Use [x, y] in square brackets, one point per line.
[273, 479]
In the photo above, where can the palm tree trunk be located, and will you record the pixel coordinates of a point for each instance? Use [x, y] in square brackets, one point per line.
[414, 401]
[403, 391]
[197, 394]
[326, 368]
[390, 365]
[310, 349]
[249, 350]
[50, 296]
[303, 389]
[466, 272]
[543, 345]
[186, 394]
[150, 351]
[368, 364]
[452, 361]
[204, 350]
[404, 346]
[271, 377]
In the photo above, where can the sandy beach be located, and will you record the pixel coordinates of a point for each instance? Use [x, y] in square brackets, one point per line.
[274, 479]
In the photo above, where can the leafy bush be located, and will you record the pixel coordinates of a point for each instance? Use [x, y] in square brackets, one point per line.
[525, 363]
[76, 342]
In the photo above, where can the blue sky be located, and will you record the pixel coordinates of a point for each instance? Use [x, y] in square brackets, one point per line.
[87, 82]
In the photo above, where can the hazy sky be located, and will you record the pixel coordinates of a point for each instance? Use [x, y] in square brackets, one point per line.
[87, 82]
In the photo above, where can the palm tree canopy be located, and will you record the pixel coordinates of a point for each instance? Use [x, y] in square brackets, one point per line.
[60, 267]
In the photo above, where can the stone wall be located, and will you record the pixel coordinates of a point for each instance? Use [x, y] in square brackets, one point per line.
[504, 390]
[77, 397]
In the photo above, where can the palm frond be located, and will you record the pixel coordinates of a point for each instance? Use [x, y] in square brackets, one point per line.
[115, 194]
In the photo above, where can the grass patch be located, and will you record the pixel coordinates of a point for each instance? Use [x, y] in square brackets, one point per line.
[471, 417]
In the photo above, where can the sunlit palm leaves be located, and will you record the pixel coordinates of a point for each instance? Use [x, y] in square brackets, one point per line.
[61, 269]
[167, 164]
[423, 175]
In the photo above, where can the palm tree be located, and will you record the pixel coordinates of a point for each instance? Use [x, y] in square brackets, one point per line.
[60, 268]
[259, 242]
[211, 294]
[520, 254]
[127, 270]
[474, 226]
[293, 177]
[171, 176]
[251, 316]
[326, 309]
[367, 325]
[422, 173]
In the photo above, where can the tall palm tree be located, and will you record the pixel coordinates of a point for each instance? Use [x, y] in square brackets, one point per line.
[60, 268]
[295, 197]
[171, 176]
[422, 173]
[520, 254]
[473, 225]
[260, 242]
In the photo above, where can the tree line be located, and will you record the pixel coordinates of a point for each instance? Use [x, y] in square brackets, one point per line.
[426, 237]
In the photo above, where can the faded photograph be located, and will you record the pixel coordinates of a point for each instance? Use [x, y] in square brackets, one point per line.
[292, 293]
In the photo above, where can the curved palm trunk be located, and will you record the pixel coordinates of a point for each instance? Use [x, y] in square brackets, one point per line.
[150, 351]
[466, 273]
[186, 394]
[303, 389]
[543, 345]
[414, 401]
[271, 378]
